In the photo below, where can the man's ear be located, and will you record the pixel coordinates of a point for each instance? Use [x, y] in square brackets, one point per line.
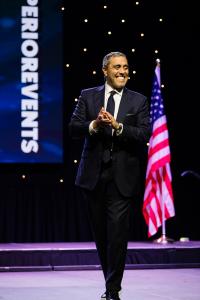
[104, 72]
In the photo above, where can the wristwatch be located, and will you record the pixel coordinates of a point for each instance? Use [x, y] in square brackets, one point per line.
[119, 129]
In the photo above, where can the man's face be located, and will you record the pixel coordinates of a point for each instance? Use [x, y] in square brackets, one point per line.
[117, 72]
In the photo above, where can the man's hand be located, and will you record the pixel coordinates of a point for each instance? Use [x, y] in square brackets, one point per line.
[113, 122]
[102, 119]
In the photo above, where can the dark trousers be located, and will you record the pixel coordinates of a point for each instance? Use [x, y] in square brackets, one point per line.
[109, 214]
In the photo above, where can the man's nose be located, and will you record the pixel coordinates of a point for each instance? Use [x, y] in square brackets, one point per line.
[122, 71]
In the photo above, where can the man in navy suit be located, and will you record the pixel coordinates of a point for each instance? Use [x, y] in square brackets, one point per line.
[115, 124]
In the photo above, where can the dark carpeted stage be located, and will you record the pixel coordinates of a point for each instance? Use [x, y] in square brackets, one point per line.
[83, 256]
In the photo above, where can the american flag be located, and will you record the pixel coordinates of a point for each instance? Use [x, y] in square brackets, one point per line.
[158, 203]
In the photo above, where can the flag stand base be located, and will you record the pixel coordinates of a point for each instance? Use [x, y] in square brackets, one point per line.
[164, 240]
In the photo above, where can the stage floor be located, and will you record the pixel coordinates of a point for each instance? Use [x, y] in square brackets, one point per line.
[91, 246]
[176, 284]
[83, 256]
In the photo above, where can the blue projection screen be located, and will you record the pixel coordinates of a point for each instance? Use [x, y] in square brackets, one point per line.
[31, 77]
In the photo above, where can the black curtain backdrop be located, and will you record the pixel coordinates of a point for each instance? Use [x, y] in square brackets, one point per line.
[40, 208]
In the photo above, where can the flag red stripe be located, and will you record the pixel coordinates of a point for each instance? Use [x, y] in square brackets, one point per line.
[158, 147]
[159, 129]
[161, 162]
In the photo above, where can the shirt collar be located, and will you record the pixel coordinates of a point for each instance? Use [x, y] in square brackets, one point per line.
[108, 89]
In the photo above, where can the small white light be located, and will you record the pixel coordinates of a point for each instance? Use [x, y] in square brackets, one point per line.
[147, 144]
[62, 8]
[105, 6]
[184, 239]
[134, 72]
[67, 65]
[109, 32]
[86, 20]
[85, 49]
[133, 50]
[123, 21]
[156, 51]
[94, 72]
[23, 176]
[142, 34]
[160, 20]
[162, 85]
[61, 180]
[137, 2]
[75, 99]
[75, 161]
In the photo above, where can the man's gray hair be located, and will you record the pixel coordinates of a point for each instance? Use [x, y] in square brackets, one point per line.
[108, 56]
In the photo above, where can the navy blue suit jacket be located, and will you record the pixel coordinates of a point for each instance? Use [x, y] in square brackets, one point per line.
[134, 115]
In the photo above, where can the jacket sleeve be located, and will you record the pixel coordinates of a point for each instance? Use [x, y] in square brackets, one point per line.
[79, 123]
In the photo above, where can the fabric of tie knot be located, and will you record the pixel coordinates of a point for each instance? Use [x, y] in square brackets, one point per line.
[111, 103]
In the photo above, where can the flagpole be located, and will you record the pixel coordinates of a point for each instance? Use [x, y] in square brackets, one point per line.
[163, 239]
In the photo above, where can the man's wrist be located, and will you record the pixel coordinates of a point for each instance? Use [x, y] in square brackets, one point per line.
[117, 127]
[94, 124]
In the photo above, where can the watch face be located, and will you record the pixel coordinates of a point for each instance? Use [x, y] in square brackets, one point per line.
[118, 130]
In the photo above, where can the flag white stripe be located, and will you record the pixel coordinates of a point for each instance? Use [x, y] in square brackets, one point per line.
[159, 122]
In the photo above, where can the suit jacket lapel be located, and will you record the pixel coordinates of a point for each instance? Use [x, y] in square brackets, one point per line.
[99, 99]
[124, 106]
